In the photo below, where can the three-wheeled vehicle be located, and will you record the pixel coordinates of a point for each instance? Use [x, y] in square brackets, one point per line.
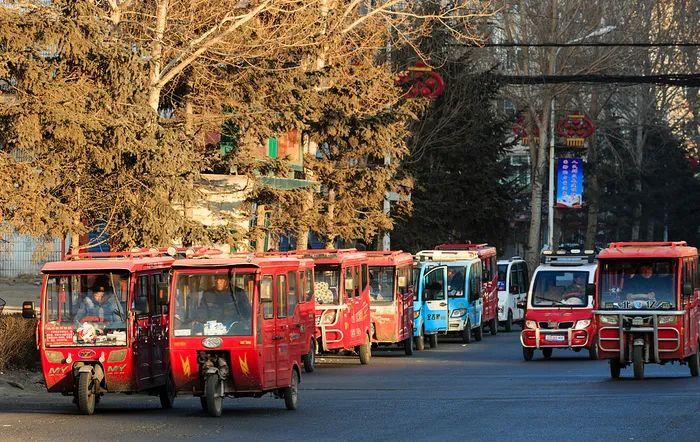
[233, 327]
[647, 305]
[100, 327]
[559, 306]
[488, 256]
[448, 297]
[391, 298]
[341, 291]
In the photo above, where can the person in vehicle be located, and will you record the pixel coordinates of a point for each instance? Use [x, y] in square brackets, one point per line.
[575, 293]
[222, 304]
[455, 281]
[641, 285]
[102, 305]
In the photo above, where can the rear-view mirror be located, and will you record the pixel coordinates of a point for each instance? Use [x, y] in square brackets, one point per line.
[28, 311]
[403, 282]
[349, 284]
[687, 289]
[514, 289]
[163, 295]
[520, 305]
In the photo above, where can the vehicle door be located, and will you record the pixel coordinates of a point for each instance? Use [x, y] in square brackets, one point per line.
[404, 299]
[690, 305]
[158, 329]
[516, 289]
[348, 313]
[434, 285]
[266, 315]
[295, 301]
[475, 298]
[143, 345]
[282, 332]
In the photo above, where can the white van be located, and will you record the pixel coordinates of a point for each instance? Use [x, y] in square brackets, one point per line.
[513, 282]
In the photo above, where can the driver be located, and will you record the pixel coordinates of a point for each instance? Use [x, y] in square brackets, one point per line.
[641, 283]
[101, 305]
[221, 304]
[455, 281]
[575, 294]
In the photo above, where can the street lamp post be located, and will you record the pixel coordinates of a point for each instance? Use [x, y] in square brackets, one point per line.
[550, 213]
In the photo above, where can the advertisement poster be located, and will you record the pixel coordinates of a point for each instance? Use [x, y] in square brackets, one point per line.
[569, 183]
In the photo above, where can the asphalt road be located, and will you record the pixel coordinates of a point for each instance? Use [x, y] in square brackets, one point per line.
[483, 391]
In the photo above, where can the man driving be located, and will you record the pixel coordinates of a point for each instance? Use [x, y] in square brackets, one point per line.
[223, 304]
[641, 285]
[102, 305]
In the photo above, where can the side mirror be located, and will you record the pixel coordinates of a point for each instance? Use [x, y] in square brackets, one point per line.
[521, 305]
[590, 289]
[403, 283]
[514, 289]
[163, 294]
[349, 284]
[687, 289]
[28, 311]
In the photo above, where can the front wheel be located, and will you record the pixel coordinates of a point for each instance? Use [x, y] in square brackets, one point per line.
[433, 340]
[509, 322]
[593, 350]
[638, 361]
[310, 358]
[365, 352]
[547, 352]
[420, 341]
[408, 346]
[528, 353]
[493, 325]
[467, 333]
[214, 395]
[291, 393]
[86, 393]
[694, 364]
[167, 394]
[479, 333]
[615, 367]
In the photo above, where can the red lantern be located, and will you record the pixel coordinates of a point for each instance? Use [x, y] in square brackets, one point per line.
[520, 131]
[575, 128]
[422, 81]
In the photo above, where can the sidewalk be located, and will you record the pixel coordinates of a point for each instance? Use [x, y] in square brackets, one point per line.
[15, 293]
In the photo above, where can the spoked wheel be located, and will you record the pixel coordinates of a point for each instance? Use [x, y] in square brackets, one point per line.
[86, 393]
[433, 340]
[365, 351]
[408, 346]
[214, 395]
[420, 341]
[615, 367]
[467, 333]
[479, 333]
[547, 352]
[528, 353]
[493, 325]
[694, 365]
[291, 393]
[509, 322]
[638, 361]
[310, 358]
[167, 394]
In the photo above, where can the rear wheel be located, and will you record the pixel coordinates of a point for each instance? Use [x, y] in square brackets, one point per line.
[694, 365]
[420, 341]
[86, 393]
[365, 352]
[509, 321]
[213, 395]
[479, 332]
[638, 361]
[432, 340]
[310, 358]
[528, 353]
[167, 394]
[467, 333]
[493, 325]
[408, 346]
[547, 352]
[291, 393]
[615, 367]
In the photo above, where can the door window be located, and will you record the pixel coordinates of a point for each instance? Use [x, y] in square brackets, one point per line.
[349, 291]
[433, 284]
[365, 277]
[281, 296]
[292, 298]
[309, 285]
[266, 296]
[474, 282]
[141, 301]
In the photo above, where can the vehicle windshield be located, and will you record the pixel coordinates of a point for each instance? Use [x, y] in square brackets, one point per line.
[416, 281]
[455, 281]
[381, 284]
[327, 285]
[640, 284]
[560, 288]
[502, 271]
[86, 309]
[213, 304]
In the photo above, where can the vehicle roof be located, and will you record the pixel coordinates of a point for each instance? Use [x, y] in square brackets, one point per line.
[509, 261]
[446, 256]
[126, 264]
[389, 258]
[331, 256]
[676, 249]
[590, 267]
[483, 249]
[238, 260]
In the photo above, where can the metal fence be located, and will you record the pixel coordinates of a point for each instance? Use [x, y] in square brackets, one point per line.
[25, 255]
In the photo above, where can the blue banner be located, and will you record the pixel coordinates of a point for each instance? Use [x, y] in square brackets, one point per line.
[569, 183]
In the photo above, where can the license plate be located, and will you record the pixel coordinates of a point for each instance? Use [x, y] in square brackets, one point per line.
[554, 338]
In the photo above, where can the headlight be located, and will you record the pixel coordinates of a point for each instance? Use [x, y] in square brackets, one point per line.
[667, 319]
[530, 324]
[608, 319]
[583, 323]
[416, 314]
[458, 312]
[328, 317]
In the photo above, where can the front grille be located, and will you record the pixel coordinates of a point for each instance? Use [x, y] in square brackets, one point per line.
[566, 324]
[561, 325]
[646, 321]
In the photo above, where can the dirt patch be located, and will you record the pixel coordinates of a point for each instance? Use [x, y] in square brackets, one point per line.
[13, 382]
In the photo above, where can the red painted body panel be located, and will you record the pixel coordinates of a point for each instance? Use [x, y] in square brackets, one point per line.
[392, 323]
[577, 338]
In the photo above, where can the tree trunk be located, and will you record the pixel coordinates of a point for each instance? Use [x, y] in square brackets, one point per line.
[330, 218]
[593, 186]
[260, 224]
[537, 173]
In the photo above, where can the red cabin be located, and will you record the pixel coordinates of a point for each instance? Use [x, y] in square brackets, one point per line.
[235, 328]
[489, 267]
[391, 298]
[647, 305]
[101, 328]
[342, 301]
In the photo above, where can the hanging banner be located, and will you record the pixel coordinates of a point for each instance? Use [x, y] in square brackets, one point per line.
[569, 183]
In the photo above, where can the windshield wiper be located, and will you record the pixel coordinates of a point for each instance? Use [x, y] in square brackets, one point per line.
[553, 301]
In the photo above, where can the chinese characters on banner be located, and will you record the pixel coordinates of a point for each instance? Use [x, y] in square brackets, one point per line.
[569, 183]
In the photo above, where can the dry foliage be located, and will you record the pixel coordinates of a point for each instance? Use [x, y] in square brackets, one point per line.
[17, 345]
